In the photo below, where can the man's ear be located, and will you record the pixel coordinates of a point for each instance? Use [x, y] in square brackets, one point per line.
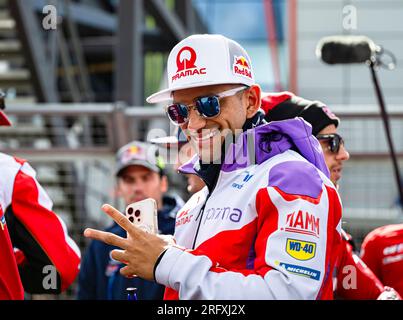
[253, 96]
[164, 184]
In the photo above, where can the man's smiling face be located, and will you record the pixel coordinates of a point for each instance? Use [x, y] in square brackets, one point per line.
[207, 135]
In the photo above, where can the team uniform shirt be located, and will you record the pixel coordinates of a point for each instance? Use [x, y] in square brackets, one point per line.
[354, 280]
[268, 229]
[32, 237]
[382, 251]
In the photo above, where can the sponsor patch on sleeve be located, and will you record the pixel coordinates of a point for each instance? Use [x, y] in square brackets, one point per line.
[301, 271]
[301, 250]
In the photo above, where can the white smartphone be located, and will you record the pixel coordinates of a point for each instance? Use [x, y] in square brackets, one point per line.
[143, 214]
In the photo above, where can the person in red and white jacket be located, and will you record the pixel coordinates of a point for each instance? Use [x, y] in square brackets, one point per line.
[267, 225]
[33, 239]
[382, 251]
[353, 278]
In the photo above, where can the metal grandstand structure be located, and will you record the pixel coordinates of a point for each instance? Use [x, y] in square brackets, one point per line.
[68, 89]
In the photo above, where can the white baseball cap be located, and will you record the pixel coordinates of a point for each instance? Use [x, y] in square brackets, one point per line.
[203, 60]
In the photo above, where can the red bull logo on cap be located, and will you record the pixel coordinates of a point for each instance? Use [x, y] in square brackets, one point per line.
[185, 61]
[242, 67]
[133, 152]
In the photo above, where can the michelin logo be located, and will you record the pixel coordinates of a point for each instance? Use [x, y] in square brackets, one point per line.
[301, 271]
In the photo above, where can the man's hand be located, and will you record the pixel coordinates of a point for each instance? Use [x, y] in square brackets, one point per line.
[140, 249]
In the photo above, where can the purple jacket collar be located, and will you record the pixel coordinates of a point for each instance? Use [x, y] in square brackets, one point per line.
[266, 141]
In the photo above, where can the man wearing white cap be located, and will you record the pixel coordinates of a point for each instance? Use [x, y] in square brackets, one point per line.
[268, 224]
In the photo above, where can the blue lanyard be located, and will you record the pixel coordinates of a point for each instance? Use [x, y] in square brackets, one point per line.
[111, 280]
[131, 292]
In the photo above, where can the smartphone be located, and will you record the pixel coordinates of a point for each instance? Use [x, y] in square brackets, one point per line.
[143, 214]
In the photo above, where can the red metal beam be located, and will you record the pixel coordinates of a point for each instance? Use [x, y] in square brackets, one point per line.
[272, 40]
[292, 44]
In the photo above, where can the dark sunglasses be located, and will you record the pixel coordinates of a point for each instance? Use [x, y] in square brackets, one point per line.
[207, 107]
[335, 141]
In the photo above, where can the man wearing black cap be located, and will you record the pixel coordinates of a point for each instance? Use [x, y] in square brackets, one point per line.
[324, 124]
[140, 174]
[323, 121]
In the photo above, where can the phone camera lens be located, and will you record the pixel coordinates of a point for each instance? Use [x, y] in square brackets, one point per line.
[131, 219]
[137, 213]
[130, 211]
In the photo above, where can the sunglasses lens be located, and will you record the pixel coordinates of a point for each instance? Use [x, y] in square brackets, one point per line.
[335, 143]
[178, 113]
[209, 107]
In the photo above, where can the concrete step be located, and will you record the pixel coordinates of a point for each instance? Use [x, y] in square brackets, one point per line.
[17, 75]
[7, 25]
[18, 100]
[10, 48]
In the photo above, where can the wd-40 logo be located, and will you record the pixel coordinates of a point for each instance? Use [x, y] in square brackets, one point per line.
[246, 178]
[185, 61]
[242, 67]
[301, 250]
[302, 222]
[183, 218]
[301, 271]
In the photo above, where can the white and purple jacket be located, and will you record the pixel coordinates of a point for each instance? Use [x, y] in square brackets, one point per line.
[268, 229]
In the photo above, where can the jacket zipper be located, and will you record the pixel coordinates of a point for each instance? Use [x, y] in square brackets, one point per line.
[200, 214]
